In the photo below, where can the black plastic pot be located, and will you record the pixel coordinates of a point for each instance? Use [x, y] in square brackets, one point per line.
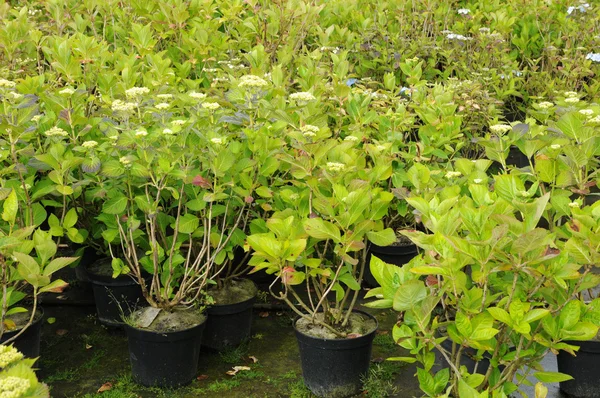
[228, 325]
[333, 368]
[584, 369]
[397, 255]
[27, 343]
[164, 359]
[516, 158]
[115, 298]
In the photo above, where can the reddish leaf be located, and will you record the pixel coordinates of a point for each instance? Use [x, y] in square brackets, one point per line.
[105, 387]
[202, 377]
[59, 289]
[248, 199]
[263, 314]
[62, 332]
[354, 335]
[201, 182]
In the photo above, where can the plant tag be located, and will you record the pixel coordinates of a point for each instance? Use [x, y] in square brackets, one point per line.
[147, 316]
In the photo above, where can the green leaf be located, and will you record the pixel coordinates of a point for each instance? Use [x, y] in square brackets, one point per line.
[112, 168]
[54, 286]
[10, 208]
[91, 165]
[570, 315]
[349, 281]
[27, 266]
[115, 205]
[501, 315]
[70, 218]
[57, 264]
[45, 247]
[264, 192]
[402, 359]
[552, 377]
[382, 238]
[188, 223]
[409, 294]
[321, 229]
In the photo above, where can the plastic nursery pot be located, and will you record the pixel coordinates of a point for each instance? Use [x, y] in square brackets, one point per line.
[584, 369]
[116, 297]
[29, 342]
[228, 325]
[164, 359]
[333, 368]
[397, 255]
[516, 158]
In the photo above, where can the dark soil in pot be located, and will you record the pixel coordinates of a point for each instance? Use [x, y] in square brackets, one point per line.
[398, 254]
[230, 318]
[115, 297]
[165, 354]
[333, 367]
[584, 369]
[28, 342]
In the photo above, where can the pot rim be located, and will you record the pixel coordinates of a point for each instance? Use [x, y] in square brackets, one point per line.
[364, 337]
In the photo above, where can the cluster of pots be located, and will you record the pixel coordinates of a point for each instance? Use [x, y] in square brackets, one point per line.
[330, 367]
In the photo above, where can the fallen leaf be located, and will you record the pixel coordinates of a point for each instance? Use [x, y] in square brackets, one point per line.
[87, 346]
[382, 332]
[9, 324]
[202, 377]
[263, 314]
[51, 320]
[105, 387]
[237, 369]
[354, 335]
[59, 289]
[279, 313]
[377, 360]
[253, 359]
[62, 332]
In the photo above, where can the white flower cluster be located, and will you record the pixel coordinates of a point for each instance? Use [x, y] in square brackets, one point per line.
[9, 355]
[586, 112]
[351, 138]
[13, 387]
[178, 122]
[67, 91]
[334, 50]
[14, 95]
[594, 57]
[168, 132]
[500, 128]
[36, 118]
[198, 96]
[582, 8]
[164, 96]
[56, 131]
[452, 174]
[478, 180]
[574, 205]
[212, 106]
[309, 130]
[595, 120]
[122, 106]
[253, 81]
[136, 92]
[463, 11]
[7, 84]
[335, 166]
[125, 161]
[162, 106]
[572, 100]
[570, 94]
[141, 133]
[89, 144]
[217, 141]
[455, 36]
[545, 105]
[303, 96]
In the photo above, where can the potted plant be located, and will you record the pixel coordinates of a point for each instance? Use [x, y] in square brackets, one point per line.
[27, 254]
[489, 285]
[175, 212]
[583, 231]
[315, 241]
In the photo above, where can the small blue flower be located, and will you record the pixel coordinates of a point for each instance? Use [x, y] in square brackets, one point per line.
[405, 91]
[351, 82]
